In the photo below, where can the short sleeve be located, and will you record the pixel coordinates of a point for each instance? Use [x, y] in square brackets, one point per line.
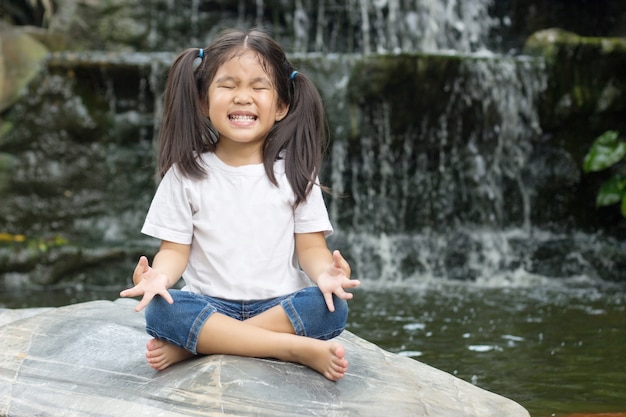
[311, 215]
[170, 214]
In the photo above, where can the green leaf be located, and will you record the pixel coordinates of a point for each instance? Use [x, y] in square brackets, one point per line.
[624, 205]
[605, 151]
[608, 138]
[611, 191]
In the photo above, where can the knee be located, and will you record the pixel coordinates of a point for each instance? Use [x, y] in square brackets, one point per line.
[310, 316]
[156, 310]
[341, 310]
[333, 323]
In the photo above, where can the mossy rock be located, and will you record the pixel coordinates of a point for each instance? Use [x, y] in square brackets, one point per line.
[586, 80]
[21, 59]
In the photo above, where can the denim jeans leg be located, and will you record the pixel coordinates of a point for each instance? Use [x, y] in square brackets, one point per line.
[310, 316]
[179, 323]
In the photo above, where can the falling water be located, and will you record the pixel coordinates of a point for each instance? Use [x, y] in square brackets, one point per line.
[440, 199]
[353, 26]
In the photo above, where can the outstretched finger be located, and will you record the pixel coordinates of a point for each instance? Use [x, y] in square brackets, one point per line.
[145, 300]
[328, 297]
[142, 267]
[350, 283]
[340, 262]
[343, 294]
[130, 292]
[167, 296]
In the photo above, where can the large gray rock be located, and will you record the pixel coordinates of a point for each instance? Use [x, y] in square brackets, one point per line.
[88, 359]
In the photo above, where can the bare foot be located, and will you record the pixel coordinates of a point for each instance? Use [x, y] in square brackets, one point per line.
[161, 354]
[327, 358]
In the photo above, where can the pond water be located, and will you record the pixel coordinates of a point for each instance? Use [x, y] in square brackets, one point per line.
[557, 347]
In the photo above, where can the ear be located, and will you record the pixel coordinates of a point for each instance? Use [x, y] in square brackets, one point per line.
[281, 111]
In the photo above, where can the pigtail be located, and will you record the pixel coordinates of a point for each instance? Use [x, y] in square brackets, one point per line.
[301, 135]
[185, 130]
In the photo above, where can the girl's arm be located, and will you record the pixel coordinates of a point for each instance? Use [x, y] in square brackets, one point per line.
[167, 268]
[330, 271]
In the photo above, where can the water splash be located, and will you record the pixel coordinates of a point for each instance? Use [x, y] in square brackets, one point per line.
[466, 165]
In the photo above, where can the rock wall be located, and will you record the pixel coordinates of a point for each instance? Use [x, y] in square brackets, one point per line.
[321, 26]
[429, 149]
[21, 59]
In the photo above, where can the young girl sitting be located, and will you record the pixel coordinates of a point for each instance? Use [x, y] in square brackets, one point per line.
[240, 215]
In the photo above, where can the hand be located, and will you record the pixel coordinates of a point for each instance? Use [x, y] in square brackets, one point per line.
[149, 283]
[335, 280]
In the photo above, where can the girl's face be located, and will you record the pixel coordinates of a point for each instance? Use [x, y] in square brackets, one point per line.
[243, 103]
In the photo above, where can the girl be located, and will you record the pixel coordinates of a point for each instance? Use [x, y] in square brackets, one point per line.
[239, 212]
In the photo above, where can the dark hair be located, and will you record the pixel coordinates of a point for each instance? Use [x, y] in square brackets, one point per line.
[186, 131]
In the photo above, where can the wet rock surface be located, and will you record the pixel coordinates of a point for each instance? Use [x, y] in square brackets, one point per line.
[88, 359]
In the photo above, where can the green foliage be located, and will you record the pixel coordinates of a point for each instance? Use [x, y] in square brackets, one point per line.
[606, 151]
[41, 245]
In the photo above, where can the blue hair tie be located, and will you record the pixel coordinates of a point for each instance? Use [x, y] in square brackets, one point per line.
[198, 60]
[293, 74]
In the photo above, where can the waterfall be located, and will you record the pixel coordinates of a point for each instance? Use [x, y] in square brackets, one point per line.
[352, 26]
[452, 166]
[438, 163]
[432, 199]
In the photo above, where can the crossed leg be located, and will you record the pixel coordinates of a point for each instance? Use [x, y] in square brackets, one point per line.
[268, 335]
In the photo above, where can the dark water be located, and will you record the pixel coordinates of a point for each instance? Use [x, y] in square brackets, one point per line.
[557, 347]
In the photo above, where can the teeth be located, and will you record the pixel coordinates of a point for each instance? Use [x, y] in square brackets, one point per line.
[240, 117]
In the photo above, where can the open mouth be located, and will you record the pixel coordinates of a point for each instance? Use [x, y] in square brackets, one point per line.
[242, 117]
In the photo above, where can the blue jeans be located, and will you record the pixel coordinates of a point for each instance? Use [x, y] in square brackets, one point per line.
[180, 323]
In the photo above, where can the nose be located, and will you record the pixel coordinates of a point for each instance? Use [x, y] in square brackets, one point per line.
[241, 97]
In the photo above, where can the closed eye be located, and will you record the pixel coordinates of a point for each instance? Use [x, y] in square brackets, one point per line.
[259, 84]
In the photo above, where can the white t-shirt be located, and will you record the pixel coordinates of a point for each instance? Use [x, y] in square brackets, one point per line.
[240, 226]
